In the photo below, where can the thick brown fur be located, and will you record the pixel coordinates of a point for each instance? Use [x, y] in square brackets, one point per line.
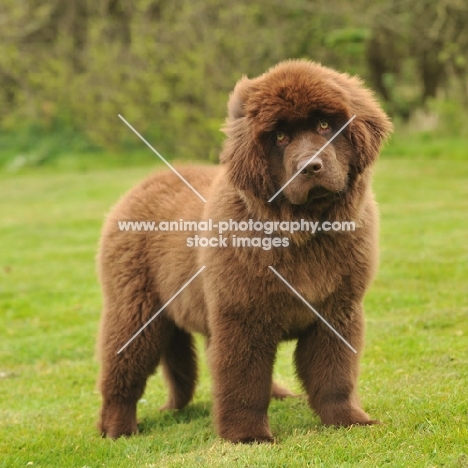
[275, 124]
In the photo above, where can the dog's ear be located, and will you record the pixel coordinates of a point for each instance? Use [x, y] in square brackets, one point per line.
[243, 151]
[238, 98]
[370, 128]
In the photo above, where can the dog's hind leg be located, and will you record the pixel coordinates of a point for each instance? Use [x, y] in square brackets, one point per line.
[179, 363]
[279, 392]
[124, 373]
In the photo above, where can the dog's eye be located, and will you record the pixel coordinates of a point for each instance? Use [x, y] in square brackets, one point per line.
[281, 138]
[324, 125]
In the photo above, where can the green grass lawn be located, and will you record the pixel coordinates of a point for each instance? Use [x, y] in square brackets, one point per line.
[414, 369]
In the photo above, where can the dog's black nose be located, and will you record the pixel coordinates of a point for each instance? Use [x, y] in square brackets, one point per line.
[312, 168]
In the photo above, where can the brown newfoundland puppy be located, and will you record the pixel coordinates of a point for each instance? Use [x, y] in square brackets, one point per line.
[276, 123]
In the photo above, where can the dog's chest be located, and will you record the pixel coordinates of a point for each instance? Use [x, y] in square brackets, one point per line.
[304, 284]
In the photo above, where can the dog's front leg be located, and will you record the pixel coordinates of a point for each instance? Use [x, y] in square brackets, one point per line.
[242, 352]
[328, 367]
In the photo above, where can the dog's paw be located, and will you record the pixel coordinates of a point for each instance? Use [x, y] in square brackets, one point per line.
[335, 415]
[118, 421]
[280, 393]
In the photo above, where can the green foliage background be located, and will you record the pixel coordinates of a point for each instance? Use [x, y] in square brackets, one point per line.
[67, 69]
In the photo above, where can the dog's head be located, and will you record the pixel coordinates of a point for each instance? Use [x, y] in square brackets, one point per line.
[278, 121]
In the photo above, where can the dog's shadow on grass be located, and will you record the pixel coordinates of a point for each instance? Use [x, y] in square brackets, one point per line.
[288, 417]
[158, 420]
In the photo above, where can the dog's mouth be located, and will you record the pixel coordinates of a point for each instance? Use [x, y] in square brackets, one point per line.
[318, 193]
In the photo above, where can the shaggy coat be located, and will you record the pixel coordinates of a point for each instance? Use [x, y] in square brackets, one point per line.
[276, 123]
